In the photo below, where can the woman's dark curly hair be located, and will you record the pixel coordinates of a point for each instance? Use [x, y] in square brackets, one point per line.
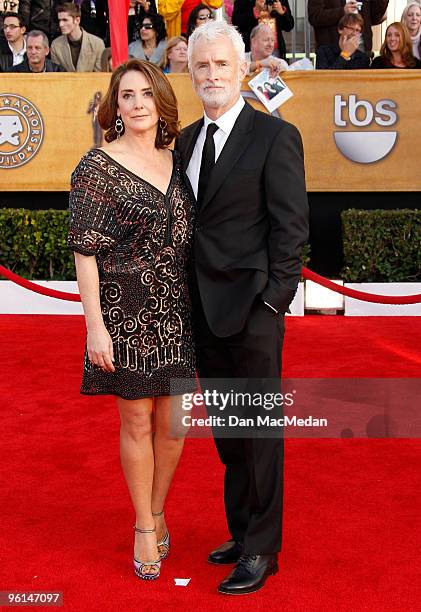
[158, 25]
[191, 23]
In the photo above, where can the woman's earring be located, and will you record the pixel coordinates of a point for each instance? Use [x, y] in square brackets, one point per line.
[163, 127]
[119, 127]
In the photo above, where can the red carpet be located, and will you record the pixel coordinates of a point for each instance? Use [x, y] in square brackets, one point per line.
[352, 520]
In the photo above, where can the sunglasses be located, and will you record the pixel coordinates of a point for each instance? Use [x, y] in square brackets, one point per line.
[146, 26]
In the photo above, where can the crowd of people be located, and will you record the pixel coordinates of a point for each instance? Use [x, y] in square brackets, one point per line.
[41, 36]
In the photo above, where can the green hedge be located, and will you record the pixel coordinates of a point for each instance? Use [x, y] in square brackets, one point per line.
[33, 243]
[381, 245]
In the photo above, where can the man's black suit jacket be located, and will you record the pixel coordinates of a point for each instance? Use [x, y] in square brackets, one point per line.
[253, 221]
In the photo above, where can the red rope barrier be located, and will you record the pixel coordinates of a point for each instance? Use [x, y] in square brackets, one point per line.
[361, 295]
[23, 282]
[308, 274]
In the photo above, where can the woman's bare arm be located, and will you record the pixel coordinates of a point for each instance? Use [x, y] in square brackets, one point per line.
[99, 344]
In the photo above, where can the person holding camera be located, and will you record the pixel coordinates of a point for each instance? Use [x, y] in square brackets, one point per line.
[275, 13]
[346, 54]
[324, 16]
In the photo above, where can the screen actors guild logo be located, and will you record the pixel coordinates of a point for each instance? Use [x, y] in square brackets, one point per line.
[364, 147]
[21, 131]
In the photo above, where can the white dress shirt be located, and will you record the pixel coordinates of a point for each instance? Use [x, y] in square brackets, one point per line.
[18, 56]
[225, 124]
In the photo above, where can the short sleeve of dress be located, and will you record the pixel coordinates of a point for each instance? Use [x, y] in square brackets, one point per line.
[92, 224]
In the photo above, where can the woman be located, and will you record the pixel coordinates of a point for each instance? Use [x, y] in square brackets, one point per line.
[396, 50]
[176, 13]
[138, 9]
[151, 46]
[411, 18]
[175, 56]
[199, 15]
[131, 222]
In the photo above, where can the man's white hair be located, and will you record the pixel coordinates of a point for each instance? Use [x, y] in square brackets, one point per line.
[260, 28]
[210, 31]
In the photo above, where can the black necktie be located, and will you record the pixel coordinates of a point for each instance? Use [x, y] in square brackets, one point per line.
[207, 163]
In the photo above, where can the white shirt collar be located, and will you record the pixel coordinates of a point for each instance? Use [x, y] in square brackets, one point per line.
[20, 53]
[227, 120]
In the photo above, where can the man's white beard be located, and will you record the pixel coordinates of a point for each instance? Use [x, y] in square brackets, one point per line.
[217, 98]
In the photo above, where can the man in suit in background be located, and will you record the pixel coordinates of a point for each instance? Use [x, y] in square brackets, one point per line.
[37, 49]
[75, 50]
[246, 170]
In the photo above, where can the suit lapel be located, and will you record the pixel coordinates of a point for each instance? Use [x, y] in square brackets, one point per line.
[234, 147]
[190, 142]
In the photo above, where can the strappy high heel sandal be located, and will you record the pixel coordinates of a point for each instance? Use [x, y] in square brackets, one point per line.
[163, 544]
[140, 566]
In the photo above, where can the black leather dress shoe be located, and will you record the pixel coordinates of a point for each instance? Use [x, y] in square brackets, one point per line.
[249, 574]
[228, 552]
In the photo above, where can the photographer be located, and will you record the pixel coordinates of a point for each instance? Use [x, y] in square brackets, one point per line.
[275, 13]
[324, 16]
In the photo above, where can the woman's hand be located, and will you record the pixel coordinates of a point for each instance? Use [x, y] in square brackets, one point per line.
[100, 348]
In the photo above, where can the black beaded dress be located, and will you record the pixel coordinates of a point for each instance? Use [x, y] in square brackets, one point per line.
[142, 240]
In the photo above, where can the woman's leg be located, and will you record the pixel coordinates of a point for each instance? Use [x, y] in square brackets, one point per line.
[137, 461]
[168, 444]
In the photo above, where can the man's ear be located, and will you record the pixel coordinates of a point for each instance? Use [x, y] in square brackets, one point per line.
[243, 70]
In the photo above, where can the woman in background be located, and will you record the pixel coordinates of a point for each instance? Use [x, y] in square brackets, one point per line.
[152, 43]
[411, 18]
[176, 13]
[396, 50]
[200, 14]
[175, 56]
[138, 9]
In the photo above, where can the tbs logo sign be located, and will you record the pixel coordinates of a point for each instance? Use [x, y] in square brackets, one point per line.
[364, 147]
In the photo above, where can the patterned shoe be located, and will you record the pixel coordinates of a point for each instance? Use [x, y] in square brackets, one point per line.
[141, 566]
[164, 544]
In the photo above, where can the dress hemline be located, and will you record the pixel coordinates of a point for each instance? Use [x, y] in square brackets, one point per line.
[150, 395]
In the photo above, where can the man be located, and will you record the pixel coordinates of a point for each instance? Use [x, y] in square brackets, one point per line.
[345, 55]
[262, 43]
[324, 16]
[276, 13]
[37, 49]
[246, 170]
[76, 50]
[14, 46]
